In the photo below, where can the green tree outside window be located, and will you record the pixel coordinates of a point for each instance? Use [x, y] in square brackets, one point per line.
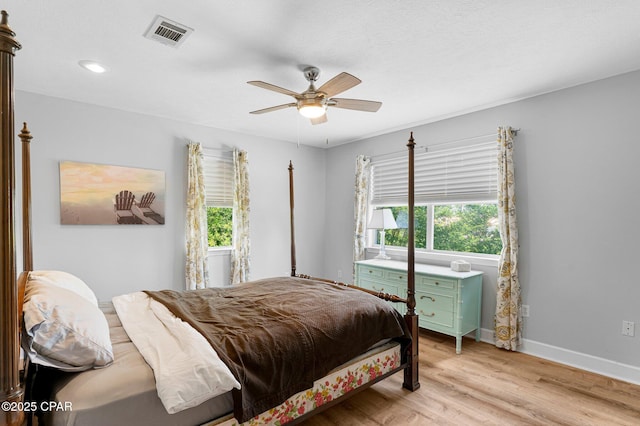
[220, 225]
[468, 228]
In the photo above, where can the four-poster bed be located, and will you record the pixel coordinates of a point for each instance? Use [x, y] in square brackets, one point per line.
[377, 355]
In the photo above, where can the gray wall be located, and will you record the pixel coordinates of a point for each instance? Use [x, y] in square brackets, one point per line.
[119, 259]
[577, 183]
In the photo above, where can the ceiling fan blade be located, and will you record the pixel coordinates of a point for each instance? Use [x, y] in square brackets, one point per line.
[273, 108]
[319, 120]
[339, 84]
[273, 87]
[357, 104]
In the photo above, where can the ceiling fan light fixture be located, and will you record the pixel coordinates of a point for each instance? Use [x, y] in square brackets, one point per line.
[312, 111]
[312, 107]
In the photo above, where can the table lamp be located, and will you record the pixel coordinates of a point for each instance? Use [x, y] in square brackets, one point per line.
[382, 219]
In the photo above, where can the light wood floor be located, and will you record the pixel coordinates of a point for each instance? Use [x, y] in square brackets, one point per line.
[488, 386]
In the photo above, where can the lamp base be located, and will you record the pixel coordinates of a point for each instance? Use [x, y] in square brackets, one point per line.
[382, 254]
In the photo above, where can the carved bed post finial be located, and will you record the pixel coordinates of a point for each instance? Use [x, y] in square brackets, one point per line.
[10, 386]
[293, 230]
[8, 43]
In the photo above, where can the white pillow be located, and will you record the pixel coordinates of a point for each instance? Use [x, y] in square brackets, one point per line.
[63, 329]
[64, 280]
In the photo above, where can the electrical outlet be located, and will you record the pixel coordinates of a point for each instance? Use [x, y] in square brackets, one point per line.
[628, 328]
[525, 311]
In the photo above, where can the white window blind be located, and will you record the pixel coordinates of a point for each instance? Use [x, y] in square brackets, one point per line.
[218, 179]
[468, 173]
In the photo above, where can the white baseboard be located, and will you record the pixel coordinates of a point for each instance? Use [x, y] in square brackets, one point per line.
[594, 364]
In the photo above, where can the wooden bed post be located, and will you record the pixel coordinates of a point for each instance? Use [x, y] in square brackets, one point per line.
[27, 250]
[293, 230]
[411, 372]
[10, 386]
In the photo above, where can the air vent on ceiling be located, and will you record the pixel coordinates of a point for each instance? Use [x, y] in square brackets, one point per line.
[167, 31]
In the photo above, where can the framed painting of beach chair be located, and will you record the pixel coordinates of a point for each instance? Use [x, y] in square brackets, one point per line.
[98, 194]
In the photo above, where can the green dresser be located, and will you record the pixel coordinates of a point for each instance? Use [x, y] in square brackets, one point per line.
[448, 302]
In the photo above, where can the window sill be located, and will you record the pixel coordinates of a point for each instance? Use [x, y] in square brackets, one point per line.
[219, 251]
[443, 258]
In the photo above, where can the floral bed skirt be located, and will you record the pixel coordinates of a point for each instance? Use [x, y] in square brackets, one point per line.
[328, 388]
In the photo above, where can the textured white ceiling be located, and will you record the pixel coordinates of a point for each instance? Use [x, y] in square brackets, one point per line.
[425, 60]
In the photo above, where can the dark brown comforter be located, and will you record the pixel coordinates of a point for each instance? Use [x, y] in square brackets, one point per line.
[278, 335]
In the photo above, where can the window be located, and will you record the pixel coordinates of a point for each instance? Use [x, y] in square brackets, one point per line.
[464, 228]
[468, 228]
[218, 177]
[455, 195]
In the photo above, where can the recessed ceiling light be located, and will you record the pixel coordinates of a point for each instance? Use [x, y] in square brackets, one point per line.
[93, 66]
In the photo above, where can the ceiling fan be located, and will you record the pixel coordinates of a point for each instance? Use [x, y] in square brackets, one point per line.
[313, 103]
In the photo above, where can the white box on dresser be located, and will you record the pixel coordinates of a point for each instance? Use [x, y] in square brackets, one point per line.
[447, 301]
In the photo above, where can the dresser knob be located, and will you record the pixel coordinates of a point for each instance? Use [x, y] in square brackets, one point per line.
[428, 297]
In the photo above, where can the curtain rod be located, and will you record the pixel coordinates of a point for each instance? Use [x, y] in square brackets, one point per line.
[426, 148]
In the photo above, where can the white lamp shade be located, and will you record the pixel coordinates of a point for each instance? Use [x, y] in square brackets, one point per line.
[382, 219]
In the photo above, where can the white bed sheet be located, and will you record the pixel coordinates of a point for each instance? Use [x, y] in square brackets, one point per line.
[187, 370]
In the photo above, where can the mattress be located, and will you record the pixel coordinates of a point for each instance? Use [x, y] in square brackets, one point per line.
[125, 393]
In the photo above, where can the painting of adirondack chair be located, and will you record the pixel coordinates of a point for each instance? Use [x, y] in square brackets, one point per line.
[122, 205]
[99, 194]
[143, 211]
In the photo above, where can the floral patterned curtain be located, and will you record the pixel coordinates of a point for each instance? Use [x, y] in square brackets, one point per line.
[240, 256]
[363, 176]
[196, 271]
[508, 318]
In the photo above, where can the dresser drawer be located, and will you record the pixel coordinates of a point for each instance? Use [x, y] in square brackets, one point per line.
[396, 276]
[435, 320]
[429, 302]
[365, 272]
[435, 282]
[379, 286]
